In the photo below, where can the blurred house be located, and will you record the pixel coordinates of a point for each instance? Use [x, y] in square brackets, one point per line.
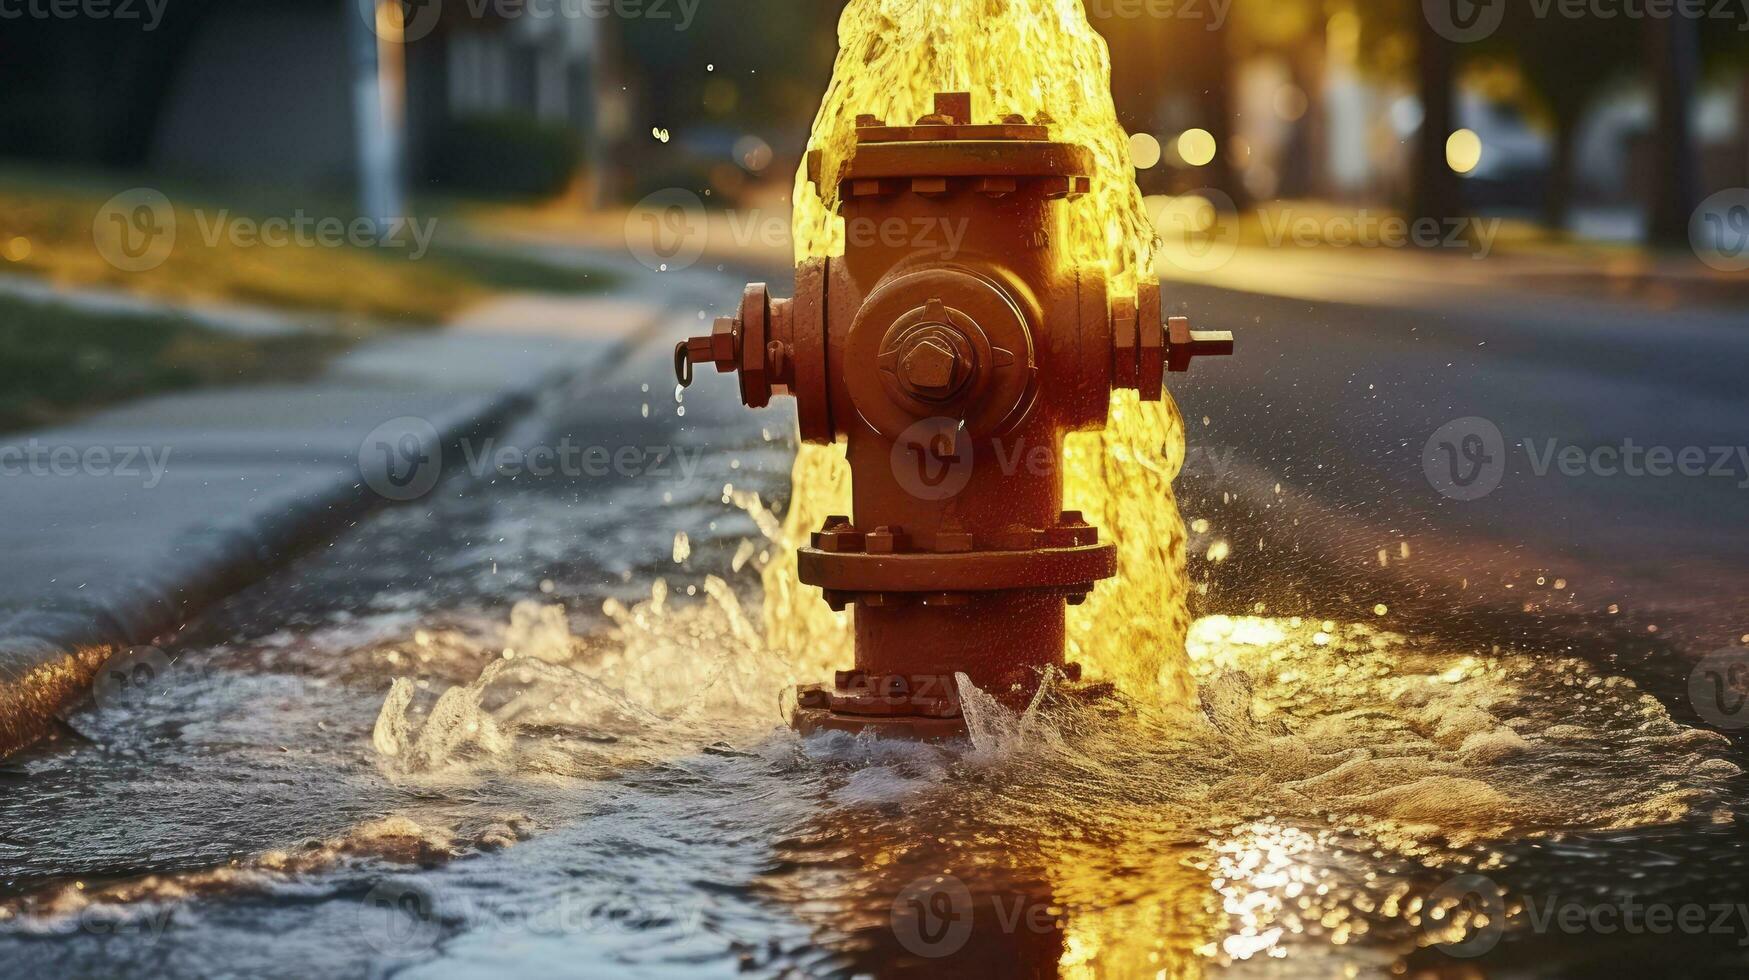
[269, 91]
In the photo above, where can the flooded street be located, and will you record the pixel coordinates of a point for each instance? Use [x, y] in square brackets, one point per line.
[523, 725]
[1400, 631]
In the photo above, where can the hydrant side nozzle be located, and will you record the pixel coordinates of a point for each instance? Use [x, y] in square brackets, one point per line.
[719, 348]
[1144, 350]
[1186, 344]
[774, 347]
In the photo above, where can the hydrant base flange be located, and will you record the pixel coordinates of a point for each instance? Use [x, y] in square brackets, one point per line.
[1071, 569]
[808, 721]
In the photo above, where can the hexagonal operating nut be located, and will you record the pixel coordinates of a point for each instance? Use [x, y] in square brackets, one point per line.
[724, 343]
[929, 368]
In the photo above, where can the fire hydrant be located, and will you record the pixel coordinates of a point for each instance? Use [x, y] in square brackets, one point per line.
[953, 375]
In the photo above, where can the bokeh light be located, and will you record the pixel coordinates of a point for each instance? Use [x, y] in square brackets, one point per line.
[1463, 151]
[1196, 147]
[1144, 151]
[1291, 102]
[753, 153]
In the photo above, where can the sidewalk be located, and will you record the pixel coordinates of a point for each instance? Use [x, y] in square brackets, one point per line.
[1578, 284]
[122, 526]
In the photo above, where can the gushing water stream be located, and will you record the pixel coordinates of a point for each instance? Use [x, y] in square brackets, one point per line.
[1256, 788]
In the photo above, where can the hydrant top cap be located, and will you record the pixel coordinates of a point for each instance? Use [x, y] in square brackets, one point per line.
[944, 148]
[952, 120]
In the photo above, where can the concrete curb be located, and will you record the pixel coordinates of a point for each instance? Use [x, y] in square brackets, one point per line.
[50, 655]
[263, 474]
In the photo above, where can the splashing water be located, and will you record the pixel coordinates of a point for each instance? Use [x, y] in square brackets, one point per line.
[1041, 59]
[663, 676]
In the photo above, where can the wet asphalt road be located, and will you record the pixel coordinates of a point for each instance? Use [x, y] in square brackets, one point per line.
[1615, 440]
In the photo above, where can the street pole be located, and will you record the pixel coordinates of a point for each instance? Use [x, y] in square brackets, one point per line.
[379, 105]
[1435, 193]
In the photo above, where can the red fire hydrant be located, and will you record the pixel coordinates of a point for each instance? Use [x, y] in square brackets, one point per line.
[953, 375]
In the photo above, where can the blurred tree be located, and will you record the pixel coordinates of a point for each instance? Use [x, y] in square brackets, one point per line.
[1214, 81]
[1170, 74]
[1435, 192]
[1563, 64]
[1674, 60]
[1389, 30]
